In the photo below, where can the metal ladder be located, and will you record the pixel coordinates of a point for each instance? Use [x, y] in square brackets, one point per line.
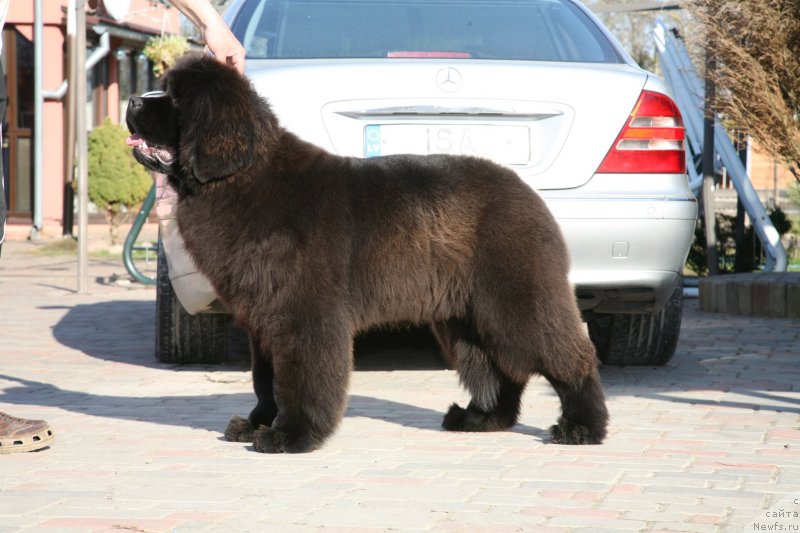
[689, 92]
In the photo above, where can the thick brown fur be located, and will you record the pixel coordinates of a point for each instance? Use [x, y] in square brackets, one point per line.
[306, 248]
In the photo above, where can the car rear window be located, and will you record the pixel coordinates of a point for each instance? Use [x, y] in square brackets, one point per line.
[532, 30]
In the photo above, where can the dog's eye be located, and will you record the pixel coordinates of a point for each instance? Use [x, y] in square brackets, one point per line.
[153, 94]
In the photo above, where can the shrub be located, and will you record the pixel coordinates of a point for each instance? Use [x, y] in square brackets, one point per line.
[745, 259]
[116, 181]
[163, 51]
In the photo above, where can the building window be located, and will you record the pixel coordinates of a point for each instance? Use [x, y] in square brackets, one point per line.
[24, 49]
[18, 130]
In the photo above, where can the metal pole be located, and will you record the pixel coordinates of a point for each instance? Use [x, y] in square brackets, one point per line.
[741, 263]
[82, 149]
[72, 61]
[38, 107]
[708, 169]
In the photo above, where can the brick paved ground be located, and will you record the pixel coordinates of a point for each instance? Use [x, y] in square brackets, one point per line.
[711, 442]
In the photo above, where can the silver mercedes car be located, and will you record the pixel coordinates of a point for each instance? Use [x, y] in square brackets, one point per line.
[537, 85]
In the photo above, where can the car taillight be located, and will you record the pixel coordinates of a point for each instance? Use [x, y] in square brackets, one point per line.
[651, 140]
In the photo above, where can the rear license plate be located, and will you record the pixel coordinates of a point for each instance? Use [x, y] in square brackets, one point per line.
[505, 144]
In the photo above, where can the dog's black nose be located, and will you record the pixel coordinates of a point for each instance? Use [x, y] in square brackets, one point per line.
[134, 102]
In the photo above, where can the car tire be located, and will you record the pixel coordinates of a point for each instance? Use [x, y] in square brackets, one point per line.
[638, 339]
[182, 338]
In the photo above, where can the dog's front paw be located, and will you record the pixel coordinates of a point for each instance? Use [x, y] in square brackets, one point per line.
[470, 419]
[566, 432]
[239, 430]
[454, 419]
[268, 440]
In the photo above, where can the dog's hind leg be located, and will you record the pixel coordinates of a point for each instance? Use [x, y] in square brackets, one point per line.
[242, 429]
[557, 348]
[566, 357]
[560, 351]
[533, 326]
[311, 361]
[584, 416]
[495, 399]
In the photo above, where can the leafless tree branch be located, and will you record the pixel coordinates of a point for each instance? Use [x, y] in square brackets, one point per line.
[756, 45]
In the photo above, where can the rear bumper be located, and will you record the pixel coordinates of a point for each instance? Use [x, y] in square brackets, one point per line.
[627, 253]
[637, 291]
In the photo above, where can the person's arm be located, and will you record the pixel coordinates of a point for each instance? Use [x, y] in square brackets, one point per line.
[218, 37]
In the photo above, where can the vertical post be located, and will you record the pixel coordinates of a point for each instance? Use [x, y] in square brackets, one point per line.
[38, 107]
[709, 217]
[82, 148]
[744, 255]
[72, 61]
[775, 183]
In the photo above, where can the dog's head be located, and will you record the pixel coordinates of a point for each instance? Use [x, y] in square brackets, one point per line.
[204, 125]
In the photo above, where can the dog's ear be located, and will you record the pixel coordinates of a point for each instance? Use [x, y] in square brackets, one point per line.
[217, 118]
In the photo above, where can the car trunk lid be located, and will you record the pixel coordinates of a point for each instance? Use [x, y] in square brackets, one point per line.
[552, 122]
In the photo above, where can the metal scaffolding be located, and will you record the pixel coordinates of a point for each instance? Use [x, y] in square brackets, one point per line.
[689, 91]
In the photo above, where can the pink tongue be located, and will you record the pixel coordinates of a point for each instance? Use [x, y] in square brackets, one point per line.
[134, 140]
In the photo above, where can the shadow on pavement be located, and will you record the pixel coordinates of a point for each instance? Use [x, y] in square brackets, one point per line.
[117, 330]
[124, 330]
[696, 380]
[210, 411]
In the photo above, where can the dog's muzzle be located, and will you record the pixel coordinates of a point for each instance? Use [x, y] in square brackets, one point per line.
[163, 154]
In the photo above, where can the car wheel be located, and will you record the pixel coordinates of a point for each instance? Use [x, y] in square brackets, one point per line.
[183, 338]
[638, 339]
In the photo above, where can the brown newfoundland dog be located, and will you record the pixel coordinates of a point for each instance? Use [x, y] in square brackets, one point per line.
[306, 248]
